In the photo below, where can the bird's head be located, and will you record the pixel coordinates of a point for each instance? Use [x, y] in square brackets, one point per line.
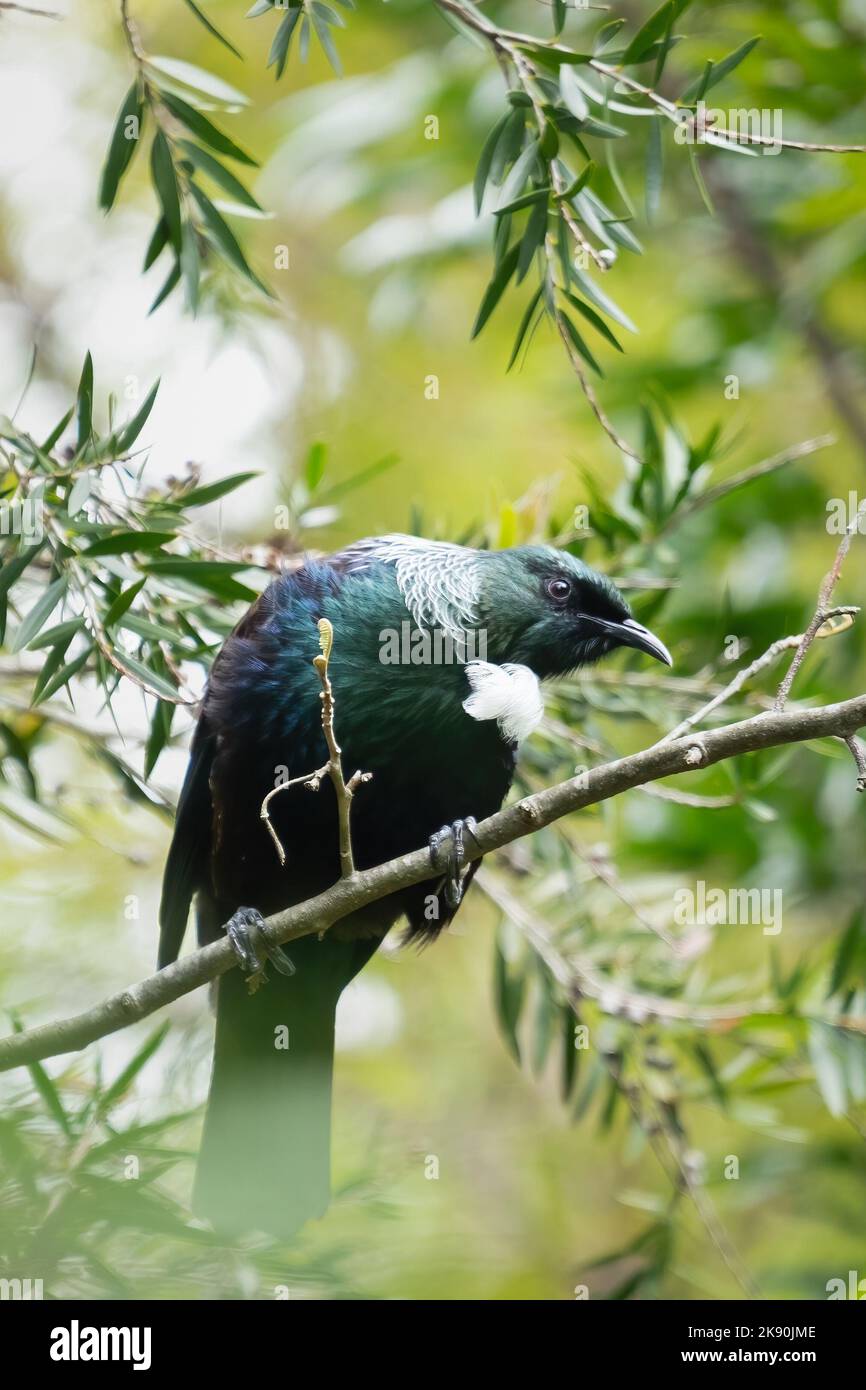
[551, 612]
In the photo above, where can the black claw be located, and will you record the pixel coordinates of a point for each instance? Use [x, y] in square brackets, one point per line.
[448, 855]
[243, 931]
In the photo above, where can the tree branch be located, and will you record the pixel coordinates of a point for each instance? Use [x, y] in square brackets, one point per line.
[767, 730]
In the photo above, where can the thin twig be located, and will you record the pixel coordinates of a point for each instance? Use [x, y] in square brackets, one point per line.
[333, 768]
[29, 9]
[747, 673]
[748, 475]
[858, 753]
[821, 612]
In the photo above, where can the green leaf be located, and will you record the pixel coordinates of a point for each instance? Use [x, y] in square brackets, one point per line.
[607, 33]
[603, 129]
[55, 434]
[143, 627]
[60, 633]
[321, 26]
[190, 266]
[508, 991]
[121, 148]
[122, 603]
[524, 325]
[63, 676]
[42, 609]
[119, 1087]
[579, 344]
[199, 80]
[160, 730]
[532, 239]
[79, 493]
[127, 542]
[573, 94]
[155, 683]
[52, 663]
[592, 317]
[485, 161]
[569, 1051]
[602, 300]
[157, 244]
[543, 1022]
[851, 952]
[226, 180]
[50, 1094]
[199, 496]
[654, 169]
[211, 28]
[698, 177]
[826, 1051]
[508, 145]
[580, 182]
[655, 27]
[11, 570]
[224, 238]
[538, 195]
[496, 288]
[214, 576]
[359, 479]
[205, 129]
[168, 286]
[279, 53]
[129, 432]
[84, 404]
[165, 183]
[315, 466]
[518, 174]
[703, 84]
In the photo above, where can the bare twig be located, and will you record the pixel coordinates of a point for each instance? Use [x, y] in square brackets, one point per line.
[767, 658]
[352, 892]
[29, 9]
[821, 612]
[748, 475]
[858, 753]
[589, 391]
[333, 768]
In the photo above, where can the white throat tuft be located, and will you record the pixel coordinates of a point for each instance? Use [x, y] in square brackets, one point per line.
[510, 694]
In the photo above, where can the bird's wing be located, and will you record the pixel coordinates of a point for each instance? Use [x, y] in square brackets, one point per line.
[186, 866]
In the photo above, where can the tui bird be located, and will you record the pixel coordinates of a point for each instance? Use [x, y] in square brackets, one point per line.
[437, 726]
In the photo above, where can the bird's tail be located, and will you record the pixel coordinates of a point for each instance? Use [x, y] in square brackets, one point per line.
[265, 1160]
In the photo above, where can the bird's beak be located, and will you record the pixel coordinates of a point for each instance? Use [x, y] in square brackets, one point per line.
[630, 634]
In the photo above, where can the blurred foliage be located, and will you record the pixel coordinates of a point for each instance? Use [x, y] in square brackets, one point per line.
[605, 1165]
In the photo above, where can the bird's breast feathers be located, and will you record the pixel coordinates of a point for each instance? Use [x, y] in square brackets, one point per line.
[510, 694]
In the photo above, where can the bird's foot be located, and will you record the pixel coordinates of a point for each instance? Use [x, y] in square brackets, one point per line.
[448, 855]
[244, 933]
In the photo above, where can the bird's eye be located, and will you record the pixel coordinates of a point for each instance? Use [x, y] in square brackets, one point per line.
[559, 589]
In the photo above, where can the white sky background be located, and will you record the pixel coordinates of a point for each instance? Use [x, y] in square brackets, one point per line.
[224, 395]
